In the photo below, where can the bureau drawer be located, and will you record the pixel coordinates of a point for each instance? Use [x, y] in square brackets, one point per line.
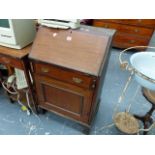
[124, 40]
[73, 77]
[125, 28]
[10, 61]
[138, 22]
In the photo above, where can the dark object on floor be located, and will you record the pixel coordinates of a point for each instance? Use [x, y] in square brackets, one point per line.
[3, 72]
[147, 118]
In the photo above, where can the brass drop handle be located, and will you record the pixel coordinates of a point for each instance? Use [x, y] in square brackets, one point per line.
[136, 30]
[106, 25]
[45, 70]
[77, 80]
[132, 41]
[139, 20]
[7, 61]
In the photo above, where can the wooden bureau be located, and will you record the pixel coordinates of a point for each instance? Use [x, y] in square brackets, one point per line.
[130, 32]
[69, 68]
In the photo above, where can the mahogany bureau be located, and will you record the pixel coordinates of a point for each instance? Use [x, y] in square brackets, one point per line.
[130, 32]
[68, 68]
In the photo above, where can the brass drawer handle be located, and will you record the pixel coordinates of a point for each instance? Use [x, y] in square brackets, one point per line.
[45, 70]
[7, 61]
[106, 25]
[132, 41]
[77, 80]
[139, 20]
[136, 30]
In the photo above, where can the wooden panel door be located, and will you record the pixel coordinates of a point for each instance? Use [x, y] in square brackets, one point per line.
[63, 98]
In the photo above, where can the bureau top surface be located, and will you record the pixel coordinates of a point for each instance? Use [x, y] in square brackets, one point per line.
[83, 50]
[15, 53]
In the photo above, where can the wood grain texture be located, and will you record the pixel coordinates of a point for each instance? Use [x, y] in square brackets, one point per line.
[15, 53]
[150, 23]
[130, 32]
[85, 52]
[130, 29]
[62, 74]
[12, 62]
[123, 40]
[63, 98]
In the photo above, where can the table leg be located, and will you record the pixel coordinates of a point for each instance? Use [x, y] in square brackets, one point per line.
[27, 72]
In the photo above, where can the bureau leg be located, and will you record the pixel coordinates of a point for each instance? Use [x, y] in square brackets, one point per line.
[11, 100]
[27, 71]
[97, 106]
[86, 131]
[40, 110]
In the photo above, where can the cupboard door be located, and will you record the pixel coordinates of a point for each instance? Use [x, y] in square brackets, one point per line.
[63, 98]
